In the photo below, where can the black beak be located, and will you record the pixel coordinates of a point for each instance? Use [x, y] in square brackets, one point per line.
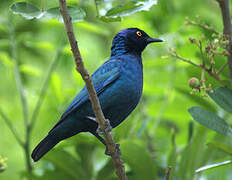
[151, 40]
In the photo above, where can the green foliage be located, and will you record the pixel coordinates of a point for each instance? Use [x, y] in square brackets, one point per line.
[26, 10]
[77, 14]
[210, 120]
[130, 8]
[29, 11]
[223, 97]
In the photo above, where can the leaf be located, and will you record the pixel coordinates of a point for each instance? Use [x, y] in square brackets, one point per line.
[6, 60]
[27, 69]
[210, 120]
[26, 10]
[106, 171]
[65, 162]
[85, 152]
[110, 19]
[130, 8]
[221, 146]
[204, 168]
[77, 14]
[134, 152]
[193, 154]
[223, 97]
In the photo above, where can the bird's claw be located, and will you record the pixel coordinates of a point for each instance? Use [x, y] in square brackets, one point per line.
[118, 152]
[107, 128]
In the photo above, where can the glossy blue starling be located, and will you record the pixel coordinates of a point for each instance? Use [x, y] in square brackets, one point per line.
[118, 83]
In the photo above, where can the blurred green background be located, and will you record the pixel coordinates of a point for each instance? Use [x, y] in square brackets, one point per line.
[158, 134]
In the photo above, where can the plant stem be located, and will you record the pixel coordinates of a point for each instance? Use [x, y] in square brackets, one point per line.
[45, 86]
[225, 11]
[11, 127]
[209, 71]
[168, 170]
[20, 88]
[118, 162]
[96, 5]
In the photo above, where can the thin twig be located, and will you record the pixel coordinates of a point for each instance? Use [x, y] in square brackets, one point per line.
[202, 54]
[186, 60]
[11, 127]
[23, 98]
[209, 71]
[96, 5]
[44, 87]
[118, 162]
[168, 170]
[225, 11]
[203, 26]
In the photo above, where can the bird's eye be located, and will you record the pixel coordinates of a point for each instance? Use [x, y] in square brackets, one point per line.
[139, 33]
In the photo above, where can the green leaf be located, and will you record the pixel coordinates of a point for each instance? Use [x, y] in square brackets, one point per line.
[106, 172]
[65, 162]
[134, 152]
[223, 97]
[210, 120]
[204, 168]
[77, 14]
[130, 8]
[26, 10]
[221, 146]
[6, 60]
[27, 69]
[110, 19]
[85, 152]
[192, 155]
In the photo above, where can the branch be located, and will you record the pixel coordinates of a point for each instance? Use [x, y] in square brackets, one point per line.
[96, 5]
[118, 162]
[209, 71]
[168, 170]
[23, 98]
[225, 11]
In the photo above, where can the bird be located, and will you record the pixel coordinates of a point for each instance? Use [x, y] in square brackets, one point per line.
[118, 84]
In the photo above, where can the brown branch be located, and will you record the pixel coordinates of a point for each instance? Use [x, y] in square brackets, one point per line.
[225, 11]
[209, 71]
[168, 170]
[203, 26]
[118, 162]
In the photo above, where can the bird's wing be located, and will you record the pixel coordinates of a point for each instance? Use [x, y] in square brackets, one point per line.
[104, 76]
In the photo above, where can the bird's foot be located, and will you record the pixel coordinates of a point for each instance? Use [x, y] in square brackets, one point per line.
[106, 129]
[118, 152]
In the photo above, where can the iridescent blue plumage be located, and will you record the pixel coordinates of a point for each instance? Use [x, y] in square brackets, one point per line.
[118, 83]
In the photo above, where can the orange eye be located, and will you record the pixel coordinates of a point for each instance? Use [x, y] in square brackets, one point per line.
[139, 33]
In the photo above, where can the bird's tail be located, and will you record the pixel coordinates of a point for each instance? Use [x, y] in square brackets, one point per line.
[43, 147]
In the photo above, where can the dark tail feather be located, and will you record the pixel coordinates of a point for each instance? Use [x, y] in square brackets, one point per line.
[43, 147]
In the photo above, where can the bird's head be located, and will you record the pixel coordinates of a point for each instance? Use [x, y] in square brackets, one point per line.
[131, 40]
